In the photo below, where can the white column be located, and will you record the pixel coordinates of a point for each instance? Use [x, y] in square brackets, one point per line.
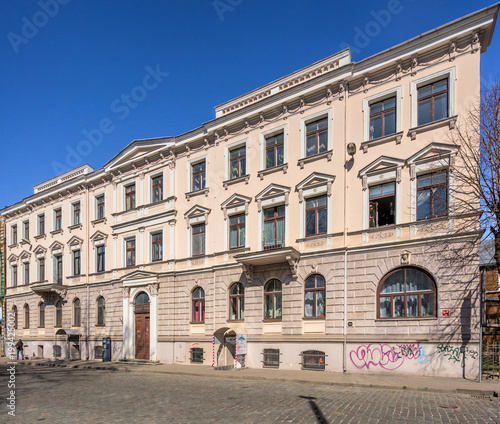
[171, 254]
[153, 330]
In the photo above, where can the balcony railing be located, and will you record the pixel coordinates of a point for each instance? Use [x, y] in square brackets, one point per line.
[273, 243]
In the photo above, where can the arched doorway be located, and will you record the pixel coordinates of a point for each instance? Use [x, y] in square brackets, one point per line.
[141, 309]
[224, 351]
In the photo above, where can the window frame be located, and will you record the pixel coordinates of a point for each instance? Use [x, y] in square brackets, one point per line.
[26, 229]
[396, 92]
[430, 187]
[132, 249]
[273, 293]
[238, 226]
[13, 234]
[315, 290]
[41, 224]
[315, 117]
[159, 246]
[58, 314]
[263, 136]
[241, 156]
[26, 313]
[77, 312]
[316, 210]
[203, 235]
[157, 188]
[271, 358]
[370, 200]
[200, 309]
[275, 219]
[100, 258]
[406, 293]
[101, 312]
[41, 315]
[201, 173]
[26, 273]
[16, 316]
[129, 196]
[76, 213]
[58, 219]
[41, 268]
[14, 274]
[77, 261]
[58, 271]
[239, 299]
[451, 75]
[100, 207]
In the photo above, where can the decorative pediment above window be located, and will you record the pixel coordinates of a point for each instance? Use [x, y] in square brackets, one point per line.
[12, 258]
[315, 184]
[140, 279]
[273, 194]
[196, 214]
[235, 203]
[435, 155]
[24, 256]
[382, 168]
[39, 250]
[75, 243]
[56, 248]
[98, 238]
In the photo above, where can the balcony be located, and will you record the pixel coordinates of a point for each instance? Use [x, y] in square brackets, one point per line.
[45, 287]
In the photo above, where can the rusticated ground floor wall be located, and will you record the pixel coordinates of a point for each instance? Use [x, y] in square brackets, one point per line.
[352, 338]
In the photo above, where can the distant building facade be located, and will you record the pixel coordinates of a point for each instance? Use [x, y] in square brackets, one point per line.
[491, 281]
[311, 224]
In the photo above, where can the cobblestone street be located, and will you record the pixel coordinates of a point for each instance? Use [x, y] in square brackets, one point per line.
[61, 395]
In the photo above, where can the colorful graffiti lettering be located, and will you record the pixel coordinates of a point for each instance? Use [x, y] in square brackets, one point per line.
[386, 356]
[376, 354]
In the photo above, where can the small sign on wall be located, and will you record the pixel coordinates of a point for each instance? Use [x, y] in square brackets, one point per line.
[446, 312]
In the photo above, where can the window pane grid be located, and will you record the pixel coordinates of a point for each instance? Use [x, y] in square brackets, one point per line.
[274, 151]
[316, 137]
[157, 189]
[432, 195]
[433, 102]
[383, 118]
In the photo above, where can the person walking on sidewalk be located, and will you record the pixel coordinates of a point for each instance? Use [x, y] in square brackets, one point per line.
[20, 348]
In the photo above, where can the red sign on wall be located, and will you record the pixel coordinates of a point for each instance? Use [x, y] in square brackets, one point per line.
[446, 312]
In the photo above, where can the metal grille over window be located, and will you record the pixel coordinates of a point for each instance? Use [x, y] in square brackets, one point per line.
[57, 351]
[271, 358]
[97, 352]
[313, 360]
[196, 355]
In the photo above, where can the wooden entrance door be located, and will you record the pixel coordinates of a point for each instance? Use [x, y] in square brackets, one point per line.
[142, 335]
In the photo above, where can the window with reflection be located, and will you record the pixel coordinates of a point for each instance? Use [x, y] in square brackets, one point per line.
[26, 316]
[272, 299]
[432, 195]
[314, 301]
[433, 102]
[237, 162]
[317, 137]
[77, 313]
[58, 314]
[198, 305]
[101, 311]
[316, 216]
[382, 202]
[407, 293]
[275, 151]
[237, 302]
[41, 315]
[383, 118]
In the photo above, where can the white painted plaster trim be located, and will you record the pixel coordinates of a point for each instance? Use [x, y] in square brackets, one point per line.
[368, 101]
[315, 117]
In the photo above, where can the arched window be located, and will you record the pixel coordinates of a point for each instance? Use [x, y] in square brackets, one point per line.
[198, 305]
[314, 296]
[407, 293]
[237, 302]
[101, 307]
[14, 312]
[26, 316]
[77, 313]
[41, 315]
[142, 303]
[58, 314]
[272, 299]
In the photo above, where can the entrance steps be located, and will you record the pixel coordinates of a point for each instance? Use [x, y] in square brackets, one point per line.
[224, 368]
[139, 361]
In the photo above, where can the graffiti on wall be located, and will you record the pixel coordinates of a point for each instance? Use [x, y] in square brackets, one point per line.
[456, 354]
[386, 356]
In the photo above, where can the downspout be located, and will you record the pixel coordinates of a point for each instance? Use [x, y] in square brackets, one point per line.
[344, 345]
[481, 326]
[87, 268]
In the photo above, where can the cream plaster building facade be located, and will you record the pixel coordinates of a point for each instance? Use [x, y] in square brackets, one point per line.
[314, 216]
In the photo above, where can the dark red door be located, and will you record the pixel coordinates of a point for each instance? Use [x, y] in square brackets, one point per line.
[142, 336]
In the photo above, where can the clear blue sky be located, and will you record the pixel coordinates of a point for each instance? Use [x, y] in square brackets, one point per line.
[65, 69]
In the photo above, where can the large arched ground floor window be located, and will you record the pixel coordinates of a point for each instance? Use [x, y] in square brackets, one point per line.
[407, 292]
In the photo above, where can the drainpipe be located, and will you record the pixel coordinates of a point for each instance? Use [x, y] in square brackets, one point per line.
[87, 268]
[344, 345]
[481, 326]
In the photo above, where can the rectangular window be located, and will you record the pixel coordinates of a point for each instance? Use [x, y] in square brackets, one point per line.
[157, 247]
[100, 259]
[157, 188]
[198, 176]
[58, 269]
[14, 276]
[41, 269]
[383, 118]
[13, 235]
[198, 239]
[41, 224]
[313, 360]
[432, 195]
[382, 204]
[196, 354]
[77, 262]
[76, 213]
[57, 219]
[237, 231]
[271, 358]
[237, 162]
[275, 150]
[433, 102]
[130, 252]
[130, 197]
[274, 227]
[26, 267]
[26, 230]
[99, 204]
[317, 137]
[316, 216]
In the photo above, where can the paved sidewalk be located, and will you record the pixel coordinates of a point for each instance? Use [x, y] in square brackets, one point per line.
[386, 381]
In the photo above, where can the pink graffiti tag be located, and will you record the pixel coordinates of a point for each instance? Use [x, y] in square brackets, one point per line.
[375, 354]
